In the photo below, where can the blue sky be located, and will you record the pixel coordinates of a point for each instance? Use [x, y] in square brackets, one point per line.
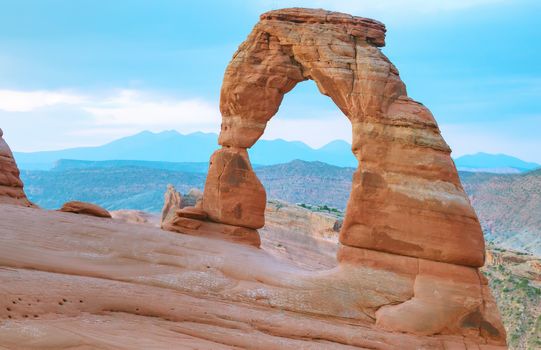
[76, 73]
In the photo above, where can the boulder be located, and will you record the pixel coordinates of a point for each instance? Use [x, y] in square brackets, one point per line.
[85, 208]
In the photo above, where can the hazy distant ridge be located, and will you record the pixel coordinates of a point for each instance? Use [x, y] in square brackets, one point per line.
[171, 146]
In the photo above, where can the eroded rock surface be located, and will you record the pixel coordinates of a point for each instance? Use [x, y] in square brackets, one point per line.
[235, 195]
[171, 203]
[11, 186]
[406, 196]
[76, 281]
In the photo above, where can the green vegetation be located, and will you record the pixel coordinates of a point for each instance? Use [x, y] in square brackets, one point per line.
[518, 298]
[322, 209]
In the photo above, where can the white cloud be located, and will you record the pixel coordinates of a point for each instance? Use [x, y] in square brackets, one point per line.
[26, 101]
[64, 119]
[118, 108]
[136, 108]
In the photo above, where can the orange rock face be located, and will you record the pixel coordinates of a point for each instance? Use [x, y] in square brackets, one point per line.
[406, 196]
[84, 208]
[238, 197]
[11, 186]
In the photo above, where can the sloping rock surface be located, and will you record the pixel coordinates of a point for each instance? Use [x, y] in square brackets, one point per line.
[75, 281]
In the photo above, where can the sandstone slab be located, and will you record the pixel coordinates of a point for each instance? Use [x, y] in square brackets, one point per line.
[191, 226]
[64, 273]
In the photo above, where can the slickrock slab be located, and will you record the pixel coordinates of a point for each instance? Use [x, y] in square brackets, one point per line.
[11, 186]
[85, 208]
[78, 281]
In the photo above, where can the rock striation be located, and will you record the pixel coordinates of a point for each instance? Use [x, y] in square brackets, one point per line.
[407, 214]
[85, 208]
[11, 186]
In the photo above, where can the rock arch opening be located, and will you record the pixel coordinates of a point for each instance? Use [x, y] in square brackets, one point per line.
[308, 116]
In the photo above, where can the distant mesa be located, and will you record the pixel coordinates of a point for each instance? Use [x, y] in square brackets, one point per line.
[494, 163]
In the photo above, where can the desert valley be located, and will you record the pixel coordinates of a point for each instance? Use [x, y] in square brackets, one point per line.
[207, 241]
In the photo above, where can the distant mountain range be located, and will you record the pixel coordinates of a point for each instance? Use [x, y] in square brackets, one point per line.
[493, 163]
[173, 147]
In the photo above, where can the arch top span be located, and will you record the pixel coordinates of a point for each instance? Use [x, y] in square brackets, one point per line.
[338, 51]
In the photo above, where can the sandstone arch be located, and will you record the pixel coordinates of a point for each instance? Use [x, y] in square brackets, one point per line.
[406, 197]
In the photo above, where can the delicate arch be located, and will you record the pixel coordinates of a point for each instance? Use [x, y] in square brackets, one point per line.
[406, 196]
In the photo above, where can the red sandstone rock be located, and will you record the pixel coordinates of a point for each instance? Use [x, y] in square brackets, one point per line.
[183, 291]
[84, 208]
[411, 241]
[235, 196]
[406, 196]
[172, 202]
[407, 214]
[11, 186]
[196, 227]
[192, 213]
